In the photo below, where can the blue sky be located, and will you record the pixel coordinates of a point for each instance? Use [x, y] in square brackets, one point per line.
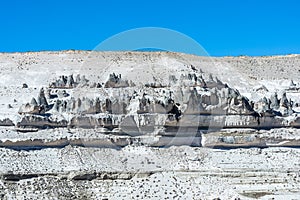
[222, 27]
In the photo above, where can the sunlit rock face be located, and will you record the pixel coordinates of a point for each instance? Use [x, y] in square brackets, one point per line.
[89, 124]
[186, 99]
[155, 95]
[195, 102]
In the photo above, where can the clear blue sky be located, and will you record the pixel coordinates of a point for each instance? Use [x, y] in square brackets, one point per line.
[222, 27]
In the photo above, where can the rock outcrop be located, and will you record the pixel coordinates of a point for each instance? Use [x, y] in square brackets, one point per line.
[139, 125]
[198, 102]
[6, 122]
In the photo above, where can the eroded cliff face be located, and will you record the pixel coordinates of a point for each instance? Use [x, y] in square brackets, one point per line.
[192, 101]
[156, 123]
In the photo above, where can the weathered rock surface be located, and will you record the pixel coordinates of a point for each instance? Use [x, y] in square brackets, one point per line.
[6, 122]
[150, 173]
[126, 125]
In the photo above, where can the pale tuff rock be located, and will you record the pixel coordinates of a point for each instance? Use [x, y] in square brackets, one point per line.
[274, 101]
[116, 81]
[39, 106]
[214, 82]
[6, 122]
[107, 121]
[83, 81]
[261, 88]
[69, 82]
[285, 106]
[77, 78]
[187, 98]
[42, 122]
[33, 102]
[97, 134]
[130, 127]
[197, 97]
[262, 105]
[284, 102]
[194, 105]
[42, 101]
[60, 83]
[29, 109]
[89, 106]
[218, 101]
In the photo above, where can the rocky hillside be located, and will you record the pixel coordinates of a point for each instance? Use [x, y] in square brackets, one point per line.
[80, 107]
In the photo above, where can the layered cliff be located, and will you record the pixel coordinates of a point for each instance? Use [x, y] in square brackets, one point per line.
[126, 125]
